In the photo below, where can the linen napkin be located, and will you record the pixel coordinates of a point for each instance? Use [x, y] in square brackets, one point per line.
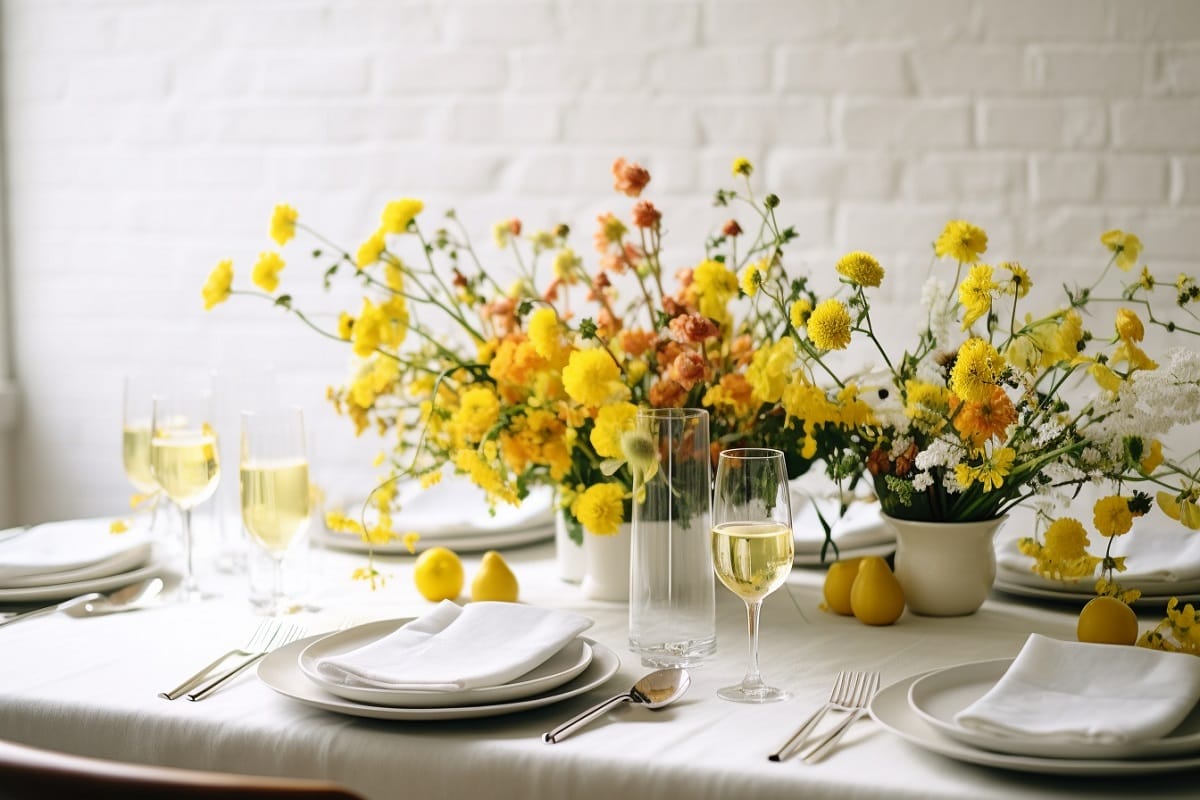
[861, 526]
[453, 648]
[58, 552]
[1155, 553]
[1087, 693]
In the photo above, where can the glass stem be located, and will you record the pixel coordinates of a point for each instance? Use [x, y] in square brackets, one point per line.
[191, 587]
[753, 681]
[277, 583]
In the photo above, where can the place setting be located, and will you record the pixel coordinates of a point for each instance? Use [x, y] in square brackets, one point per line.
[1058, 707]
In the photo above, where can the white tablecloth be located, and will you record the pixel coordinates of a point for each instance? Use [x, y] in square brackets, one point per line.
[89, 686]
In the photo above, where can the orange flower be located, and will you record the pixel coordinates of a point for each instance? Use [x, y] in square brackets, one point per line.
[688, 369]
[610, 231]
[731, 228]
[692, 328]
[645, 215]
[980, 421]
[635, 342]
[667, 394]
[629, 179]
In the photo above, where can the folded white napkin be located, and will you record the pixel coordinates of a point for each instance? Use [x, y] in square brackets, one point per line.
[1157, 552]
[1087, 693]
[453, 648]
[862, 525]
[80, 549]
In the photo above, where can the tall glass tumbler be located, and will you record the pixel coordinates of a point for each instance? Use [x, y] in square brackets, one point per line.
[672, 608]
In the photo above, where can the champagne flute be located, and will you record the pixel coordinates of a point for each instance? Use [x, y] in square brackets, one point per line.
[184, 462]
[275, 489]
[135, 435]
[752, 545]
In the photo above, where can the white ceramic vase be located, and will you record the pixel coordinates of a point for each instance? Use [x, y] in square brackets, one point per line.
[606, 565]
[946, 569]
[568, 556]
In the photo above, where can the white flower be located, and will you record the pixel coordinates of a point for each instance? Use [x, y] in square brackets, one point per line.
[922, 481]
[940, 453]
[1047, 432]
[950, 482]
[899, 445]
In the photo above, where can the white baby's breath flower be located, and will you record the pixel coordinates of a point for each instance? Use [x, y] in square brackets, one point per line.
[899, 445]
[1047, 432]
[922, 481]
[950, 483]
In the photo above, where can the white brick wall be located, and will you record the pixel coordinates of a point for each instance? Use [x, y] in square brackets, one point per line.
[148, 138]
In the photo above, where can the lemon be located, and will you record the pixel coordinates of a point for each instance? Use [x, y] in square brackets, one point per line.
[494, 581]
[1106, 620]
[876, 597]
[438, 574]
[838, 582]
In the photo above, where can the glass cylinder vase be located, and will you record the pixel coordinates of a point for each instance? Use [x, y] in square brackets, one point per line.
[672, 615]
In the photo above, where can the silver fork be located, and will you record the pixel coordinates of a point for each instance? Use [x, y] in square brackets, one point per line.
[285, 635]
[260, 639]
[857, 707]
[839, 697]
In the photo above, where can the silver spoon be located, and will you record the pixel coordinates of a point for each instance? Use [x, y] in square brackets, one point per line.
[658, 689]
[128, 598]
[123, 596]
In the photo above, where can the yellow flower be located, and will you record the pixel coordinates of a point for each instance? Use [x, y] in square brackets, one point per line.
[1064, 555]
[1125, 246]
[1153, 459]
[769, 370]
[567, 265]
[592, 378]
[754, 276]
[410, 541]
[484, 475]
[715, 285]
[798, 313]
[742, 166]
[829, 325]
[1129, 326]
[1066, 539]
[962, 241]
[861, 268]
[1182, 509]
[1112, 516]
[478, 412]
[283, 224]
[370, 251]
[1105, 378]
[266, 271]
[118, 526]
[217, 288]
[345, 325]
[501, 234]
[1019, 284]
[399, 213]
[600, 508]
[990, 473]
[975, 294]
[611, 422]
[367, 329]
[977, 368]
[543, 333]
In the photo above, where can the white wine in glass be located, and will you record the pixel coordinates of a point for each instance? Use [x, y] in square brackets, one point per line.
[135, 435]
[752, 545]
[184, 462]
[275, 492]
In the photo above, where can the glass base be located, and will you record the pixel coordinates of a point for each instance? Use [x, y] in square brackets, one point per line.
[689, 653]
[764, 694]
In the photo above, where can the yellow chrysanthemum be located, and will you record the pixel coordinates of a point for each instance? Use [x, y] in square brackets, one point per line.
[592, 378]
[543, 333]
[990, 473]
[742, 166]
[366, 333]
[484, 475]
[769, 370]
[1111, 515]
[927, 405]
[977, 368]
[1126, 247]
[1129, 326]
[283, 223]
[345, 325]
[714, 285]
[961, 241]
[1064, 554]
[600, 508]
[567, 265]
[218, 286]
[478, 411]
[861, 268]
[399, 213]
[266, 271]
[1020, 283]
[754, 276]
[975, 294]
[799, 312]
[371, 250]
[829, 325]
[611, 422]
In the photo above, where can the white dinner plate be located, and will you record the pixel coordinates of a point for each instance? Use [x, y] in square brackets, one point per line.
[463, 543]
[814, 559]
[1078, 598]
[1086, 586]
[890, 709]
[554, 672]
[281, 672]
[63, 591]
[124, 561]
[939, 695]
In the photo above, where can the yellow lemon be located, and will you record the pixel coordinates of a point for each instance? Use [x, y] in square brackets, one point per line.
[438, 574]
[1106, 620]
[876, 597]
[494, 581]
[839, 580]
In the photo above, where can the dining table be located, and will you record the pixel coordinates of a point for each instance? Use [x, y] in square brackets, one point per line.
[90, 686]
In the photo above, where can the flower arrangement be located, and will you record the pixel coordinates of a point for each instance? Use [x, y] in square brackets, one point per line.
[526, 367]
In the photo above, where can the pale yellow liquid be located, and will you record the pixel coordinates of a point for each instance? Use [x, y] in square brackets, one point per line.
[275, 499]
[135, 448]
[184, 464]
[752, 559]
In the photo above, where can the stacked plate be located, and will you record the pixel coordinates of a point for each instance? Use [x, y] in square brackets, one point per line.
[454, 513]
[862, 531]
[295, 671]
[1162, 562]
[922, 710]
[59, 560]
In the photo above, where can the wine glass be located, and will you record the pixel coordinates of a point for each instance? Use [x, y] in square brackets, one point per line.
[184, 461]
[752, 545]
[275, 489]
[135, 434]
